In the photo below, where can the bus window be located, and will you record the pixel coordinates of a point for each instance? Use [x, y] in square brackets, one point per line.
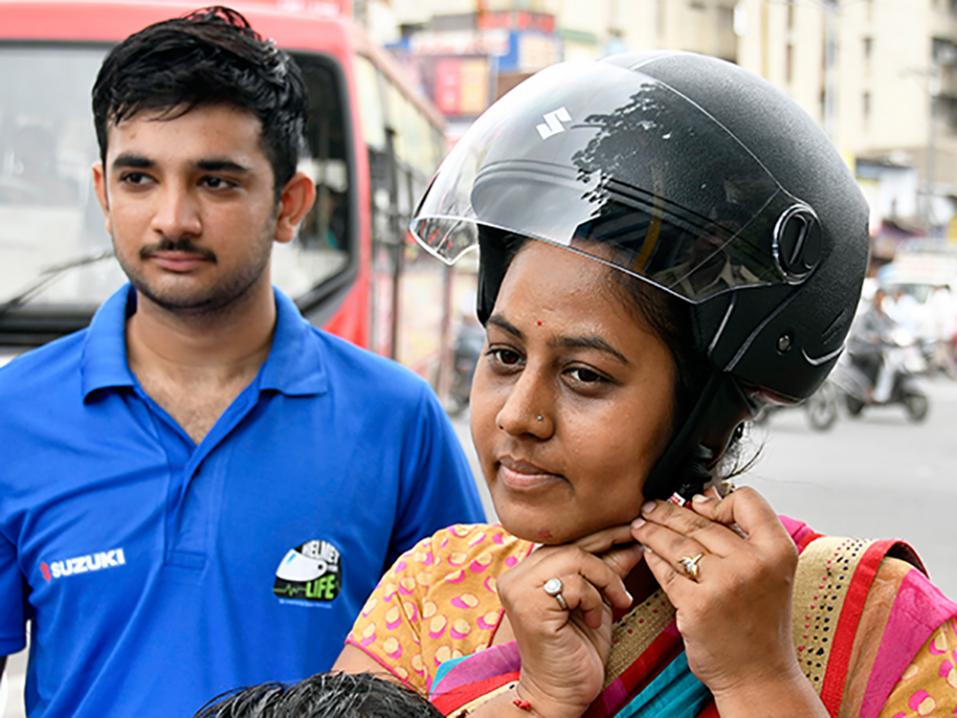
[49, 216]
[369, 87]
[325, 243]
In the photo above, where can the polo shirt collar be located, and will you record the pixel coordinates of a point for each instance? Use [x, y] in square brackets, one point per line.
[294, 365]
[103, 364]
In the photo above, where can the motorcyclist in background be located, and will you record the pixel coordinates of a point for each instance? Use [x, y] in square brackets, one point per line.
[868, 335]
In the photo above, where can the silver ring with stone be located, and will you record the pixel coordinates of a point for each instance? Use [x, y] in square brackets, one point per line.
[553, 587]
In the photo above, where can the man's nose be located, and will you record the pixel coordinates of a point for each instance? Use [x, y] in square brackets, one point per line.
[177, 213]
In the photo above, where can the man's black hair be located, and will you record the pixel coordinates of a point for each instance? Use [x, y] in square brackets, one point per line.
[209, 57]
[326, 695]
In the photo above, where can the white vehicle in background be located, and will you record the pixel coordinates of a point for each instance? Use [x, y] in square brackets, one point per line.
[921, 284]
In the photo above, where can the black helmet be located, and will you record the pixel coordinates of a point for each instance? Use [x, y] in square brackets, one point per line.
[701, 179]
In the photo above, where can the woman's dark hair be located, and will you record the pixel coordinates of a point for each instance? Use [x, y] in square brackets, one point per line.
[209, 57]
[326, 695]
[671, 319]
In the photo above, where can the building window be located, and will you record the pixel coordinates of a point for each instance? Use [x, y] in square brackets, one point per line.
[866, 107]
[790, 16]
[868, 43]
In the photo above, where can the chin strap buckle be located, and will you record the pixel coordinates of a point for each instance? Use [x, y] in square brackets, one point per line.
[677, 499]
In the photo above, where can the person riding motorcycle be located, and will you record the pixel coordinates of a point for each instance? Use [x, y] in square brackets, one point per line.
[881, 363]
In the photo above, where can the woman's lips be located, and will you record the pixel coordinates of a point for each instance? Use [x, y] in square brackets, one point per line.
[522, 476]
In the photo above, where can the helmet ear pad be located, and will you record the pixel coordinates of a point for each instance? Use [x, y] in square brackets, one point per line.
[497, 248]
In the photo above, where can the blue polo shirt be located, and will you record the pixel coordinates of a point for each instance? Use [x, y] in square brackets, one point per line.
[158, 573]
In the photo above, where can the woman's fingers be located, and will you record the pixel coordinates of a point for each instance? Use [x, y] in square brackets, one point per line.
[606, 573]
[623, 559]
[677, 586]
[582, 595]
[747, 509]
[667, 529]
[602, 541]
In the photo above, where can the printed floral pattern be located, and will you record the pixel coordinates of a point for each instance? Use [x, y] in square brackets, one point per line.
[438, 601]
[929, 685]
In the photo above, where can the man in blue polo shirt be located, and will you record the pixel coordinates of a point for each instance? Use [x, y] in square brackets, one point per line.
[200, 490]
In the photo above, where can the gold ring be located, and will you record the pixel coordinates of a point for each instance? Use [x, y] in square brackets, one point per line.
[690, 565]
[725, 488]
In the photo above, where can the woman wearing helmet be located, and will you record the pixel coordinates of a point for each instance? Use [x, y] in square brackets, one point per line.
[666, 243]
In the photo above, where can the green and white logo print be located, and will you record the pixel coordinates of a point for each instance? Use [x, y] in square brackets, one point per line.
[309, 575]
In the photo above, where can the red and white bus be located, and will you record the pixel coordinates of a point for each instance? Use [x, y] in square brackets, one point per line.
[373, 144]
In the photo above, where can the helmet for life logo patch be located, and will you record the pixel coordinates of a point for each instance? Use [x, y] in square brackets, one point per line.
[309, 575]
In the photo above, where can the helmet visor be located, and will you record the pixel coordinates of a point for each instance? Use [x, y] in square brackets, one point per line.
[617, 165]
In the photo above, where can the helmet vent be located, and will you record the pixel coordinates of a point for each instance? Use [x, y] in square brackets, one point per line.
[797, 243]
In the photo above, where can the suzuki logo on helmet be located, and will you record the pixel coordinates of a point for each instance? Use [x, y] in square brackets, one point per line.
[553, 123]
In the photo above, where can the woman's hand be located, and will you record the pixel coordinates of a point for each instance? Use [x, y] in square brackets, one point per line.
[735, 616]
[564, 651]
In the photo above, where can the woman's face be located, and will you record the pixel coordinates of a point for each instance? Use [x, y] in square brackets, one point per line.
[563, 345]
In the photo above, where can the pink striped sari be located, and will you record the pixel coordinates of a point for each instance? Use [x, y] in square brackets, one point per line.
[862, 612]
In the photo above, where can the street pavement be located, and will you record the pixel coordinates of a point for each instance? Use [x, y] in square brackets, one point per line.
[878, 476]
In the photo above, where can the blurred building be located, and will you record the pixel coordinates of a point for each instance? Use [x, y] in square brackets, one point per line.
[880, 77]
[467, 53]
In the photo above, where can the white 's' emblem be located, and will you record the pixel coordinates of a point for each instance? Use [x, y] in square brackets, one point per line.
[553, 123]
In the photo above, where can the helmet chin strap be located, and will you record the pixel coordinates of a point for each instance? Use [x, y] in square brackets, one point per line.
[685, 465]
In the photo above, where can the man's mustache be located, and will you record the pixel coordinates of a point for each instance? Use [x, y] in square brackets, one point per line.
[183, 244]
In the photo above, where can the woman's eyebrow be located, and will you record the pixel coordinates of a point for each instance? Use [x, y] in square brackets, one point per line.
[591, 342]
[502, 323]
[580, 342]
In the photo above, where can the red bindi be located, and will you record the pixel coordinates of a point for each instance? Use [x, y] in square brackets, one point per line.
[539, 322]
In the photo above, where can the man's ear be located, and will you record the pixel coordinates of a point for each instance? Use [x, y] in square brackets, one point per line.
[99, 186]
[296, 200]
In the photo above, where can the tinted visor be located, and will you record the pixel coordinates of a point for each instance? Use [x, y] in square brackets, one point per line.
[615, 164]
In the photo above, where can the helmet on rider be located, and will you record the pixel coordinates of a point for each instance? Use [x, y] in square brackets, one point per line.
[694, 176]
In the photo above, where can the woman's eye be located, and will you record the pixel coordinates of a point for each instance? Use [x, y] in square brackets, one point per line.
[504, 357]
[586, 376]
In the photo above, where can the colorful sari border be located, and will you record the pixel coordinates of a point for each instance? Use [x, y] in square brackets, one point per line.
[832, 688]
[919, 603]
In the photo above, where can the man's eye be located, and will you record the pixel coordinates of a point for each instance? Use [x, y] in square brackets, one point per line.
[134, 178]
[217, 183]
